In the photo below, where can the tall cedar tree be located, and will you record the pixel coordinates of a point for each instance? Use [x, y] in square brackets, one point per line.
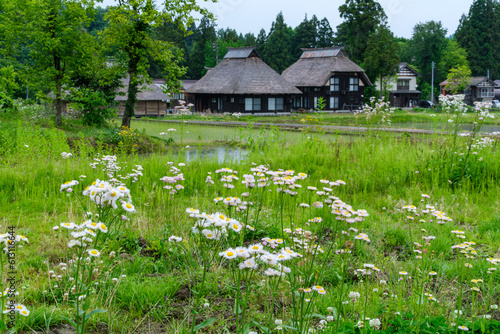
[325, 34]
[129, 31]
[54, 33]
[305, 36]
[479, 34]
[261, 41]
[204, 36]
[277, 51]
[361, 19]
[381, 56]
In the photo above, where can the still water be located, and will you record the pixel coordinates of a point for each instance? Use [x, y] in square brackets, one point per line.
[220, 153]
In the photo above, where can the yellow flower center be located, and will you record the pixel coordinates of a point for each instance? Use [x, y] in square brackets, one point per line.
[230, 253]
[128, 206]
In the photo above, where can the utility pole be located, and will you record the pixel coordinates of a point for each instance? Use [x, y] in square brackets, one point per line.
[432, 82]
[215, 47]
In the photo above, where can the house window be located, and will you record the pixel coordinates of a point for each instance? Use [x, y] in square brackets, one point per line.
[214, 100]
[232, 100]
[315, 102]
[317, 89]
[487, 92]
[334, 84]
[298, 102]
[252, 104]
[334, 102]
[403, 85]
[178, 96]
[275, 103]
[353, 84]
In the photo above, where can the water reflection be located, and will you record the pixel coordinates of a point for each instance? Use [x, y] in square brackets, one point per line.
[220, 153]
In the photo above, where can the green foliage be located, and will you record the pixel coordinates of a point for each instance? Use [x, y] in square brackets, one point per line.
[361, 19]
[453, 57]
[427, 45]
[458, 79]
[130, 24]
[381, 57]
[52, 32]
[479, 34]
[277, 51]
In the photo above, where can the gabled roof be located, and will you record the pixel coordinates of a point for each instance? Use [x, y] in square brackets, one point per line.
[322, 52]
[405, 66]
[482, 81]
[151, 92]
[315, 68]
[242, 72]
[243, 52]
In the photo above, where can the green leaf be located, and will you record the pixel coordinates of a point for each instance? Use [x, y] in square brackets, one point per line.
[94, 312]
[204, 324]
[71, 322]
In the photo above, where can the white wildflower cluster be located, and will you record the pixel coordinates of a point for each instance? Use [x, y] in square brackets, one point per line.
[304, 240]
[175, 178]
[82, 234]
[440, 216]
[105, 193]
[183, 108]
[453, 103]
[215, 225]
[111, 167]
[378, 110]
[10, 240]
[66, 155]
[483, 108]
[12, 308]
[237, 114]
[169, 131]
[345, 212]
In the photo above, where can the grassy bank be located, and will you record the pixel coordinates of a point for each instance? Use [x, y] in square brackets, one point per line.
[172, 287]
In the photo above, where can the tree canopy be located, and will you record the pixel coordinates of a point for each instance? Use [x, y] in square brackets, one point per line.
[361, 19]
[479, 34]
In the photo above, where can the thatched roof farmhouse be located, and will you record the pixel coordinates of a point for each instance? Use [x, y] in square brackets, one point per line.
[327, 73]
[242, 82]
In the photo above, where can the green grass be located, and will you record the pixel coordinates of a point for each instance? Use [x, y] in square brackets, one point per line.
[382, 174]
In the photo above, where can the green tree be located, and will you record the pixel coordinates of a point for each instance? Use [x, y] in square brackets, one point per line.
[479, 34]
[204, 36]
[54, 33]
[305, 36]
[130, 24]
[98, 23]
[261, 41]
[249, 39]
[458, 79]
[277, 51]
[361, 18]
[453, 57]
[381, 56]
[325, 34]
[427, 45]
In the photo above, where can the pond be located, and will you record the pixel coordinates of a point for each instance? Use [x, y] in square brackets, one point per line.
[220, 153]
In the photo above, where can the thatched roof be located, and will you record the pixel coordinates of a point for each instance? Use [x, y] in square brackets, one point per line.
[242, 72]
[314, 69]
[151, 92]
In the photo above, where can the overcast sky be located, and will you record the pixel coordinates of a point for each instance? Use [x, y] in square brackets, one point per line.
[252, 15]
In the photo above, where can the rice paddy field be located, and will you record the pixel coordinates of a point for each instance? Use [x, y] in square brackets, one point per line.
[304, 233]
